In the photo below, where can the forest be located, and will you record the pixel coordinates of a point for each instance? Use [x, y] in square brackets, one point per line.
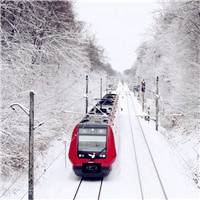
[173, 54]
[45, 48]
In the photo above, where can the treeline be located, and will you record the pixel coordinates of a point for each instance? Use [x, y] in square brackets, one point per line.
[47, 31]
[173, 55]
[45, 48]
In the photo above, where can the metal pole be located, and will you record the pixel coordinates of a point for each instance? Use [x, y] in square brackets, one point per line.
[143, 86]
[101, 89]
[143, 101]
[139, 87]
[65, 143]
[86, 107]
[31, 149]
[106, 83]
[157, 97]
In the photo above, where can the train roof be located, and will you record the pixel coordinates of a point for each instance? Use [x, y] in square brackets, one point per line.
[92, 125]
[101, 113]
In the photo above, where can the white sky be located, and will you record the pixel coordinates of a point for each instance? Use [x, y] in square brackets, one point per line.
[120, 26]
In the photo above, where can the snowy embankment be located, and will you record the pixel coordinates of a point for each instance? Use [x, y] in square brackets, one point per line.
[177, 182]
[184, 147]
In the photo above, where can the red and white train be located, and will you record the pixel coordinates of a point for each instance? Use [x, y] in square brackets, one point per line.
[92, 149]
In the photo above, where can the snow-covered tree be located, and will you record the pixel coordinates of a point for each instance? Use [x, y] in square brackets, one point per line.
[173, 55]
[43, 48]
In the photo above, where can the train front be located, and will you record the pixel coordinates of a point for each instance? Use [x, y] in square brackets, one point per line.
[92, 150]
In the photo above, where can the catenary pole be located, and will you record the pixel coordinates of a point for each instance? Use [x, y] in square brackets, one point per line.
[157, 97]
[143, 86]
[31, 149]
[143, 101]
[101, 89]
[86, 93]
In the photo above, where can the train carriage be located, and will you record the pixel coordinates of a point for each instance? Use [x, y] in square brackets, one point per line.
[92, 149]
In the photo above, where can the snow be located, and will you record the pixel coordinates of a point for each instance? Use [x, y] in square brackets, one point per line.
[176, 182]
[173, 54]
[58, 180]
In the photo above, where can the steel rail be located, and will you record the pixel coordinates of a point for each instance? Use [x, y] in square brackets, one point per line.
[80, 183]
[135, 152]
[150, 153]
[77, 188]
[99, 194]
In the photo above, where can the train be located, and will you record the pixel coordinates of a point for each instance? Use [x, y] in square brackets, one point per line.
[92, 150]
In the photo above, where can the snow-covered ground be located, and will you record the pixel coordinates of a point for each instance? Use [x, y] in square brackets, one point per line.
[175, 179]
[133, 173]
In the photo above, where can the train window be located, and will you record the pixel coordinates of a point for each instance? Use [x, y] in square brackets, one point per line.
[92, 143]
[92, 131]
[92, 140]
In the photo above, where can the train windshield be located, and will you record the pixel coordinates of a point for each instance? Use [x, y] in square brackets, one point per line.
[92, 140]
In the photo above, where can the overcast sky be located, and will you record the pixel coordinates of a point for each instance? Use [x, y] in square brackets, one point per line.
[120, 26]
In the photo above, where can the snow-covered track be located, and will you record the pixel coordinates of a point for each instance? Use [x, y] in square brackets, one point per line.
[88, 189]
[135, 152]
[151, 165]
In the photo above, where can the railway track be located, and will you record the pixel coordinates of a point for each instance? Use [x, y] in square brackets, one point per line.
[85, 185]
[135, 153]
[152, 168]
